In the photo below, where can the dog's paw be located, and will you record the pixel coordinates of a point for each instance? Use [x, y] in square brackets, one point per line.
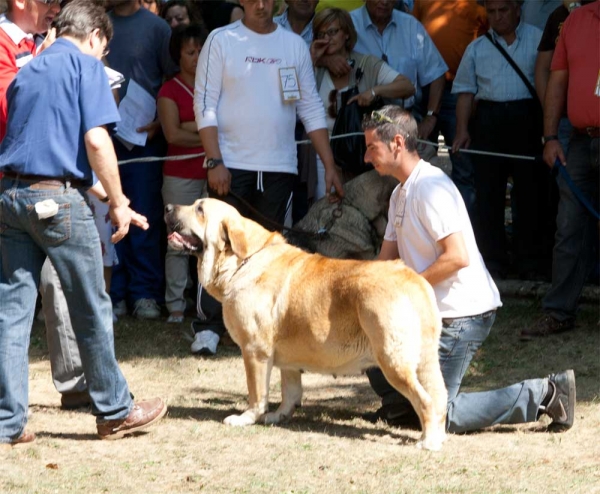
[239, 420]
[274, 418]
[431, 443]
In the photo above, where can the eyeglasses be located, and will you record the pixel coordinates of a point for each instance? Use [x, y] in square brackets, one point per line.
[330, 33]
[379, 117]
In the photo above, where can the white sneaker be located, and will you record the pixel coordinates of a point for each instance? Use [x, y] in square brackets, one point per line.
[120, 309]
[146, 308]
[205, 343]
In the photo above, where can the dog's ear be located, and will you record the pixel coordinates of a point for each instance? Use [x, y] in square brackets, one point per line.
[244, 236]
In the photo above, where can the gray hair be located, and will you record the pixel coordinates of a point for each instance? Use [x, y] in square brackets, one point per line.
[81, 17]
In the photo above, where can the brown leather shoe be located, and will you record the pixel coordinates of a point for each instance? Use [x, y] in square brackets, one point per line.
[73, 401]
[26, 437]
[142, 415]
[546, 326]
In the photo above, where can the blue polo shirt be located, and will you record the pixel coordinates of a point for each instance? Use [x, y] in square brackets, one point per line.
[52, 103]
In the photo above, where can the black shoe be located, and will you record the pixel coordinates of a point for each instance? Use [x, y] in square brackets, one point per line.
[560, 401]
[396, 415]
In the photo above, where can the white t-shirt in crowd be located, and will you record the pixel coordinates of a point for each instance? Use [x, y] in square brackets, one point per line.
[425, 210]
[238, 90]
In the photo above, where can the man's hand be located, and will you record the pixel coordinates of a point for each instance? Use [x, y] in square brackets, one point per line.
[553, 150]
[332, 179]
[462, 139]
[48, 40]
[121, 217]
[151, 128]
[336, 64]
[219, 180]
[425, 128]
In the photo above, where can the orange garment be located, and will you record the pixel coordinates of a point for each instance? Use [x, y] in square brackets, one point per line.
[452, 25]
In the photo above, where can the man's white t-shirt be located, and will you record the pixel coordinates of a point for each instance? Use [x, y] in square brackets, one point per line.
[425, 210]
[238, 90]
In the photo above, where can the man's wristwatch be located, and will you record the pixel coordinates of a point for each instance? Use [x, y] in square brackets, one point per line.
[431, 113]
[211, 163]
[546, 139]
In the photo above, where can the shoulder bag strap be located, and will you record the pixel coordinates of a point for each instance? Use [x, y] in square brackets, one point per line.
[514, 65]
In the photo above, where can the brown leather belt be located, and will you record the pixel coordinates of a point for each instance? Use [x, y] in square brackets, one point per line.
[40, 181]
[590, 131]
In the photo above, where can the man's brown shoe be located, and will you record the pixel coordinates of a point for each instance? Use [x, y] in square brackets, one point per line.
[73, 401]
[26, 437]
[142, 415]
[546, 326]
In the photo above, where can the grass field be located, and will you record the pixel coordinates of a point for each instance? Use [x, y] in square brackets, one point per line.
[326, 448]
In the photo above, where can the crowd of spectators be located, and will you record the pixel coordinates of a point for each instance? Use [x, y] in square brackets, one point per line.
[429, 56]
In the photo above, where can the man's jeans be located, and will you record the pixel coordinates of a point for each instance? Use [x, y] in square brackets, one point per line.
[70, 240]
[575, 251]
[460, 340]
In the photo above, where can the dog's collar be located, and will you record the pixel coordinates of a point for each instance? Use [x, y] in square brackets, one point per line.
[244, 261]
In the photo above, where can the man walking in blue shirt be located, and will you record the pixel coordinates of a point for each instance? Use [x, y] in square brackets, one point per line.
[57, 145]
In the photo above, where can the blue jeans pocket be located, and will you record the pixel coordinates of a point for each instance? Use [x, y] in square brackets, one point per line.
[53, 230]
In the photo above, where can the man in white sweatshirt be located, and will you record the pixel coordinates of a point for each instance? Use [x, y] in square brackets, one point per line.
[253, 77]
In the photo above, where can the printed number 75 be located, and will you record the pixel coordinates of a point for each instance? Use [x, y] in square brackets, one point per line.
[289, 81]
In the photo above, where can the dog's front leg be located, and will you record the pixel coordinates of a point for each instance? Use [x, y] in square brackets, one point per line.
[291, 397]
[258, 374]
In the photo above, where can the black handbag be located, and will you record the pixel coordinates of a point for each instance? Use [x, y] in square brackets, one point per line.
[349, 152]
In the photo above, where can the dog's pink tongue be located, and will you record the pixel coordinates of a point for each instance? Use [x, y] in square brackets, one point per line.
[175, 236]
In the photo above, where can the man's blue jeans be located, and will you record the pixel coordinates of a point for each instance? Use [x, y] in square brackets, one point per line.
[460, 340]
[70, 240]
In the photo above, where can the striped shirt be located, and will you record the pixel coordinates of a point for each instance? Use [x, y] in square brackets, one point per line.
[404, 45]
[484, 71]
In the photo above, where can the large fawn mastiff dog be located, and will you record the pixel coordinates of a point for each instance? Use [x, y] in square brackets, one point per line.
[305, 312]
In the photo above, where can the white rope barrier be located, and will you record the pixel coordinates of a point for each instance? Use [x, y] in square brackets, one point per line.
[341, 136]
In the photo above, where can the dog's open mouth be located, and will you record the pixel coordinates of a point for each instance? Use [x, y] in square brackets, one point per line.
[184, 242]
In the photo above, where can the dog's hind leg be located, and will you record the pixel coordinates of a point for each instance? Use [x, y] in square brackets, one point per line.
[403, 376]
[258, 374]
[431, 378]
[291, 397]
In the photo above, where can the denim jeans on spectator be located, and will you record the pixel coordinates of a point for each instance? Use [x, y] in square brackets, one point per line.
[460, 340]
[575, 251]
[70, 240]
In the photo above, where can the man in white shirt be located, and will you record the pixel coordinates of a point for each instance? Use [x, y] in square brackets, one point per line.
[430, 230]
[253, 77]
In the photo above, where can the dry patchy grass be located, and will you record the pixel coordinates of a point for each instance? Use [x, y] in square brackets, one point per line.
[326, 448]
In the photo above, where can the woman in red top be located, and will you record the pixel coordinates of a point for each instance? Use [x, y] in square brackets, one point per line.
[184, 180]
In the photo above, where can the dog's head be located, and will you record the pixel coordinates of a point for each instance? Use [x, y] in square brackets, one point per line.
[214, 231]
